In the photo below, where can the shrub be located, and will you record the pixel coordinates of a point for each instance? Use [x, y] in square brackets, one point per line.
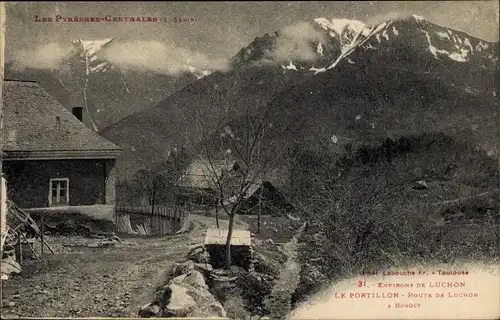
[363, 214]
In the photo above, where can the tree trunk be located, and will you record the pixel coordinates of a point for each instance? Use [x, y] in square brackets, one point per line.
[152, 204]
[217, 215]
[228, 241]
[260, 208]
[176, 204]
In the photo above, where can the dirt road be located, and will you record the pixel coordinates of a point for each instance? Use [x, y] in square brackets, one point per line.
[111, 282]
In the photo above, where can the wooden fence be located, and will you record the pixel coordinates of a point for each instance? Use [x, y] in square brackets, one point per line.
[162, 211]
[148, 220]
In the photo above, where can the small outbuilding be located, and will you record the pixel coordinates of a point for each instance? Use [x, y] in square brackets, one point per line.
[241, 247]
[263, 196]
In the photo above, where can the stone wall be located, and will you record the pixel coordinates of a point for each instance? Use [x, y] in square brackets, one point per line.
[186, 293]
[240, 255]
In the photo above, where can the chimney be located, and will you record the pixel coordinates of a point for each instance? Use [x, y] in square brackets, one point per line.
[78, 113]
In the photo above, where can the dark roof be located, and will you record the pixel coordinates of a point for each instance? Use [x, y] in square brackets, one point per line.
[201, 173]
[36, 125]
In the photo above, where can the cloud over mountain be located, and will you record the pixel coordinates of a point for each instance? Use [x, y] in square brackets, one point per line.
[46, 56]
[158, 56]
[294, 42]
[138, 55]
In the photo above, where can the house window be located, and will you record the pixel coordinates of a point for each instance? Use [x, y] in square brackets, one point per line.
[59, 192]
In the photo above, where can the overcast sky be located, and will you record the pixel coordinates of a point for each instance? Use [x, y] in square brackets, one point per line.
[222, 28]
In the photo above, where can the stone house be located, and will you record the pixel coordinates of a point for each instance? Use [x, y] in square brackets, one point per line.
[51, 160]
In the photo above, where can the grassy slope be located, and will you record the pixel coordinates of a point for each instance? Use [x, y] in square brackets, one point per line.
[401, 225]
[362, 103]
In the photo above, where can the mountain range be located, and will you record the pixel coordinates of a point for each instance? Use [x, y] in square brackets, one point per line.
[329, 83]
[343, 82]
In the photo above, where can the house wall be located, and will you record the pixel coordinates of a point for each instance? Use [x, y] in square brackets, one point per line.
[110, 181]
[90, 181]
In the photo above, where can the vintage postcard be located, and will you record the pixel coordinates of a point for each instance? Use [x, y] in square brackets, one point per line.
[250, 160]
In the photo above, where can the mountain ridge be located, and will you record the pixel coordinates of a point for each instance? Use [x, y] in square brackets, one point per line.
[343, 31]
[382, 88]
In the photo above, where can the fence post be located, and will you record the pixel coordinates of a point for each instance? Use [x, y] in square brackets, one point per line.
[19, 251]
[42, 240]
[116, 220]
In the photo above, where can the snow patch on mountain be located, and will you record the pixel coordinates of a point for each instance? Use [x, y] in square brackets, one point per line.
[467, 43]
[197, 73]
[481, 46]
[395, 31]
[290, 66]
[339, 25]
[385, 35]
[91, 47]
[317, 70]
[460, 56]
[103, 66]
[319, 49]
[418, 18]
[443, 35]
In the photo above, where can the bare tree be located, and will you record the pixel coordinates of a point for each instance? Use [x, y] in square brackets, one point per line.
[234, 153]
[172, 171]
[151, 185]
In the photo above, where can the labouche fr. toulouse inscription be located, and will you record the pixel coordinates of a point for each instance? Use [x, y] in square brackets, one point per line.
[411, 293]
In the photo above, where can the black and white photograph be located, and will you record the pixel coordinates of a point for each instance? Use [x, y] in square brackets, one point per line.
[250, 160]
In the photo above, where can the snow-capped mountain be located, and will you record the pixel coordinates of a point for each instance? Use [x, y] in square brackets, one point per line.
[441, 43]
[107, 92]
[362, 84]
[343, 37]
[88, 50]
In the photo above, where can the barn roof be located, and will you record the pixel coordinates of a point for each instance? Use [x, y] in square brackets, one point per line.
[37, 126]
[219, 237]
[201, 173]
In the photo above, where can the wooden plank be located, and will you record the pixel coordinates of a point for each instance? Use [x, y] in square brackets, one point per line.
[17, 248]
[31, 248]
[219, 236]
[49, 247]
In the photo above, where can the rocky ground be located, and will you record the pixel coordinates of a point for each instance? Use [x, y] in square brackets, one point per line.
[78, 281]
[279, 302]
